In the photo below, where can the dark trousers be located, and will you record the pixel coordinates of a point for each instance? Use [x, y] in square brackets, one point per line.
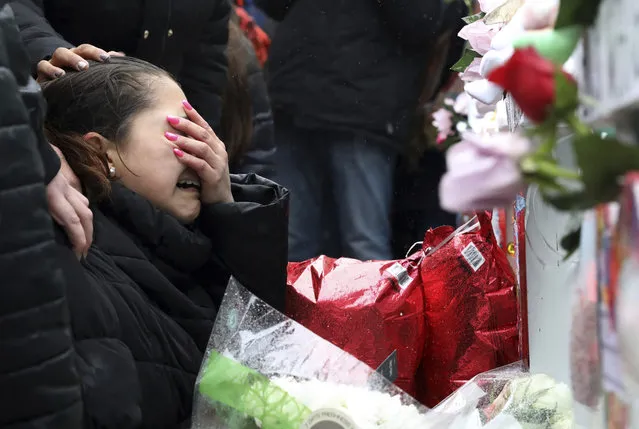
[341, 193]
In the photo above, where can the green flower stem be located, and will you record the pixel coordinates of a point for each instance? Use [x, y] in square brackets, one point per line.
[577, 126]
[546, 148]
[547, 168]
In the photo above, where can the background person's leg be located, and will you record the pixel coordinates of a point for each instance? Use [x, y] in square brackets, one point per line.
[300, 167]
[362, 176]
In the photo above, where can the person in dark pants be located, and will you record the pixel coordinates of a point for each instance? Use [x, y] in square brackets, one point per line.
[187, 38]
[344, 80]
[39, 385]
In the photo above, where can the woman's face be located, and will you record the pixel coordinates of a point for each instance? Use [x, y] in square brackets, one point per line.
[145, 162]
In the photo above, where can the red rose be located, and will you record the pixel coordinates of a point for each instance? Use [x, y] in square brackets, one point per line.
[530, 79]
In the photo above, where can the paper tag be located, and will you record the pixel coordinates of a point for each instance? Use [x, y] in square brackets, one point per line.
[473, 256]
[388, 368]
[328, 418]
[400, 273]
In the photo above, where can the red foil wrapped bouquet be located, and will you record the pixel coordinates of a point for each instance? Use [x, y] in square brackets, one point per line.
[471, 308]
[369, 309]
[449, 311]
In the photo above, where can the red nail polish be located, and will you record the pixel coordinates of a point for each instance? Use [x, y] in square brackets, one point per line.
[171, 136]
[187, 105]
[173, 120]
[178, 152]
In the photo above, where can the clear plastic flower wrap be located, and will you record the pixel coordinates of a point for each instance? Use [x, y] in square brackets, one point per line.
[264, 370]
[506, 398]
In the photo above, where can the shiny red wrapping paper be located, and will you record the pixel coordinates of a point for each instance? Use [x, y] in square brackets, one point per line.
[368, 309]
[471, 309]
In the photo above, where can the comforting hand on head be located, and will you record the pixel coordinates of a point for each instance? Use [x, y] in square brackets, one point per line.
[74, 58]
[203, 152]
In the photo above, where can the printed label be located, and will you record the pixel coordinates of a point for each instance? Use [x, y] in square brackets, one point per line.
[400, 273]
[328, 419]
[473, 256]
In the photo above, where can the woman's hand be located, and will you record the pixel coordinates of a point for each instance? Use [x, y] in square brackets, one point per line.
[200, 150]
[74, 58]
[69, 208]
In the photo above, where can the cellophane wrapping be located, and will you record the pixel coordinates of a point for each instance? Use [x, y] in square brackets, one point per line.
[371, 309]
[506, 398]
[471, 303]
[264, 370]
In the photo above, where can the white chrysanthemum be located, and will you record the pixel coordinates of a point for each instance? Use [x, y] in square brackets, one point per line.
[367, 408]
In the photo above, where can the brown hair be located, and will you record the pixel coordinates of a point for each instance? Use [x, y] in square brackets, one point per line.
[237, 112]
[104, 98]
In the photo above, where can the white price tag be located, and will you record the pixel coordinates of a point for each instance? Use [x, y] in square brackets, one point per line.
[473, 256]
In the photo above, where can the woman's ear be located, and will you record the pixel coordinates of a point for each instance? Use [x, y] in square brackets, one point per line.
[102, 145]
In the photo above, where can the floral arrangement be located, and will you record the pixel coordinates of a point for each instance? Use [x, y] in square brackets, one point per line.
[521, 47]
[506, 398]
[536, 402]
[451, 120]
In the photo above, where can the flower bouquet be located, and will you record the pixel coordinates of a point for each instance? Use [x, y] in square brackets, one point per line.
[263, 370]
[506, 398]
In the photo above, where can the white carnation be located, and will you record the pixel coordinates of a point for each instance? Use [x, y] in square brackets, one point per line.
[367, 408]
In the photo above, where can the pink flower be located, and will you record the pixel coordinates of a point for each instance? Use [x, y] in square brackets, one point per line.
[462, 103]
[472, 72]
[441, 138]
[443, 121]
[539, 14]
[479, 35]
[483, 172]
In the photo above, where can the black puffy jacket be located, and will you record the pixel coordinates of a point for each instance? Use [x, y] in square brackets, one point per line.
[39, 387]
[186, 37]
[351, 65]
[144, 301]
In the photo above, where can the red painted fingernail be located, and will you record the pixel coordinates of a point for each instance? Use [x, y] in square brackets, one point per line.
[187, 105]
[173, 120]
[171, 136]
[178, 152]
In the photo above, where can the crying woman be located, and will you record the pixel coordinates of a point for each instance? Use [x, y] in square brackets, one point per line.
[170, 226]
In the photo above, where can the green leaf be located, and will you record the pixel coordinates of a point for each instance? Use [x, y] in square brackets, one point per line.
[566, 95]
[554, 45]
[463, 63]
[570, 242]
[603, 162]
[577, 12]
[474, 18]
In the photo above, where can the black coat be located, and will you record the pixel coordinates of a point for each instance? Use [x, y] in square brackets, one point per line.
[186, 37]
[143, 306]
[351, 65]
[39, 387]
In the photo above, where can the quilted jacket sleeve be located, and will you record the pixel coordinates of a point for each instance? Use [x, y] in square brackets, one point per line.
[250, 236]
[40, 39]
[38, 383]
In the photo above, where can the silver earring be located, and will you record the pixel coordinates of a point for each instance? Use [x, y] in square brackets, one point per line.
[112, 172]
